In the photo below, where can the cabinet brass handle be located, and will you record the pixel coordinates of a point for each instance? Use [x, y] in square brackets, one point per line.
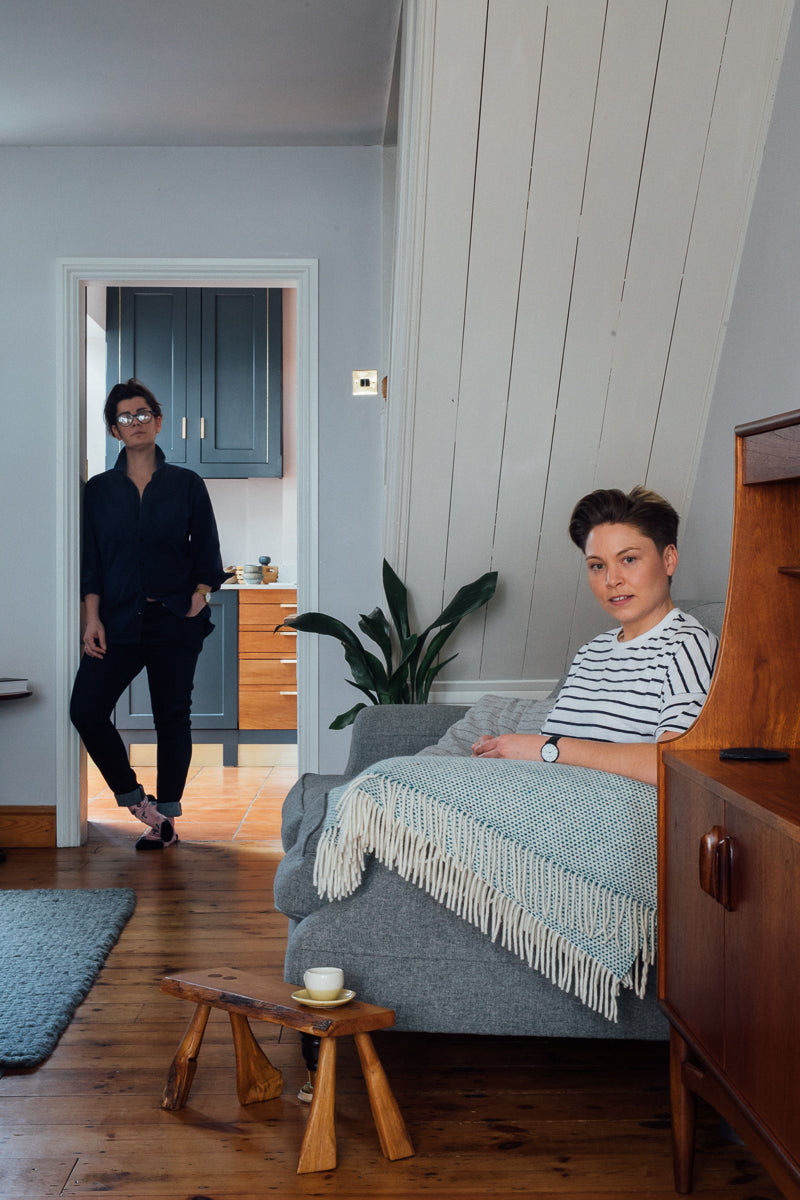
[202, 428]
[292, 606]
[287, 693]
[183, 428]
[288, 662]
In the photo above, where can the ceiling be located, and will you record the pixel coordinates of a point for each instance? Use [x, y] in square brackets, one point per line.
[196, 72]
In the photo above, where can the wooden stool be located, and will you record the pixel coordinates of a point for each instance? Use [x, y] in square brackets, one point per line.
[242, 994]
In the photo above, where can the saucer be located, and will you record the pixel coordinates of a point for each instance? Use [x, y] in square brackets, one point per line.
[344, 997]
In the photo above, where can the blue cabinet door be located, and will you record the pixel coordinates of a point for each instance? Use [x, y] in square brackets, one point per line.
[146, 331]
[215, 699]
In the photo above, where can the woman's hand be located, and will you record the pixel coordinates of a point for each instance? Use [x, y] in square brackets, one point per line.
[199, 601]
[94, 638]
[510, 745]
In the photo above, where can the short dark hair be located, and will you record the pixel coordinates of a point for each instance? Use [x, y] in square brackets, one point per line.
[648, 512]
[127, 391]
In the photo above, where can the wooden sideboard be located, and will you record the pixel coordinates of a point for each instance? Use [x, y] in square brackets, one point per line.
[267, 660]
[729, 839]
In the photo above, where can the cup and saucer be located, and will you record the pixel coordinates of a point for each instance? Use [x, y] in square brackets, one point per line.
[323, 988]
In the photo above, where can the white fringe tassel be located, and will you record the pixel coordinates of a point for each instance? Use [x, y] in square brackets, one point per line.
[491, 882]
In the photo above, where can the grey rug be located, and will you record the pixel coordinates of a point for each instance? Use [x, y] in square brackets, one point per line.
[53, 943]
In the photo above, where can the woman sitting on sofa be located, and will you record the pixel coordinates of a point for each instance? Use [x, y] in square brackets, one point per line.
[641, 683]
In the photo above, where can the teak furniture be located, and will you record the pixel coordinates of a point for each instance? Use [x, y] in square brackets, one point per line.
[244, 995]
[267, 660]
[729, 838]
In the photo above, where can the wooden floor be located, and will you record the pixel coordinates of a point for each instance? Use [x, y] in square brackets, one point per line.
[496, 1117]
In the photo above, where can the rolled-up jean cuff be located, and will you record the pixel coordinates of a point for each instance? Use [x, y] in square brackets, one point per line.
[170, 808]
[126, 799]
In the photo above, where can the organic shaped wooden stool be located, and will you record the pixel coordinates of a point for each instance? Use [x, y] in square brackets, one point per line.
[243, 995]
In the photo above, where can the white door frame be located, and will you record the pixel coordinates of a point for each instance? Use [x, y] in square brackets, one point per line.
[74, 274]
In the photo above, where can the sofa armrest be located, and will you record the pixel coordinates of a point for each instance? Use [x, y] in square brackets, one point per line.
[388, 730]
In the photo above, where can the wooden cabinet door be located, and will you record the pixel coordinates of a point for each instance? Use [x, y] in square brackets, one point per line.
[693, 943]
[762, 983]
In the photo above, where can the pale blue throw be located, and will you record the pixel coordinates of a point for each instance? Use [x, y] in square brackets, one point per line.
[558, 862]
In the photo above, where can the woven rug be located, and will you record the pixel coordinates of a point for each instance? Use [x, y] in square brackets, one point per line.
[53, 943]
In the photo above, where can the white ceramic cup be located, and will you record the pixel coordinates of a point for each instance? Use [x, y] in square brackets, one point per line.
[323, 983]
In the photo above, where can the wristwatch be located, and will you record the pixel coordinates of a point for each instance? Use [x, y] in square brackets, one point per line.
[204, 591]
[549, 750]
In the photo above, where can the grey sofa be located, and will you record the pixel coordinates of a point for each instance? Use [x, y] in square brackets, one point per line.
[397, 945]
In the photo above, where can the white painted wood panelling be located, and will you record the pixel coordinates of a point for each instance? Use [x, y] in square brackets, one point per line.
[587, 181]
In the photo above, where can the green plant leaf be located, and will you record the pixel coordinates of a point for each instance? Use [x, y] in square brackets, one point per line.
[368, 671]
[315, 622]
[466, 600]
[424, 688]
[397, 599]
[428, 659]
[346, 718]
[376, 626]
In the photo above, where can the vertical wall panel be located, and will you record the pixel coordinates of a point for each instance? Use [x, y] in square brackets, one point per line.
[508, 113]
[627, 70]
[743, 103]
[455, 113]
[685, 86]
[563, 125]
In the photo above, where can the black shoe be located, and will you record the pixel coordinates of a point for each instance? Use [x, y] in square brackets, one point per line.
[158, 839]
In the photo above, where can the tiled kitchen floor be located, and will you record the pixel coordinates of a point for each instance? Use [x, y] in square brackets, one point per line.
[220, 804]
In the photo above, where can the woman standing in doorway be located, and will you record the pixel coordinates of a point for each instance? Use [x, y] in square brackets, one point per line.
[150, 559]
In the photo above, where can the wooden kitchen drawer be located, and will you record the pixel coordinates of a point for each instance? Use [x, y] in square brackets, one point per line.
[256, 642]
[272, 672]
[253, 597]
[267, 708]
[265, 616]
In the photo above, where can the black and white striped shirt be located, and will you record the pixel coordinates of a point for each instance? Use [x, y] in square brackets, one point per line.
[635, 691]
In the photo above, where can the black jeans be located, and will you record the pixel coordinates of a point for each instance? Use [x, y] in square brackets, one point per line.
[168, 651]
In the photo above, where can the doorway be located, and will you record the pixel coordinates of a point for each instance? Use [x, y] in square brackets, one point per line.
[76, 276]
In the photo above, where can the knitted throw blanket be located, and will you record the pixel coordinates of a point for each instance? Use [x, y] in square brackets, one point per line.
[557, 862]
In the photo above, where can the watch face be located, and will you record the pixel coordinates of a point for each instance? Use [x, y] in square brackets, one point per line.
[549, 752]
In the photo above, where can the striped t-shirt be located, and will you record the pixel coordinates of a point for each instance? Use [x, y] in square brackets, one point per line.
[635, 691]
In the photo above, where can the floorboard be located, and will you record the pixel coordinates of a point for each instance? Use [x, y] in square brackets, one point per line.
[499, 1117]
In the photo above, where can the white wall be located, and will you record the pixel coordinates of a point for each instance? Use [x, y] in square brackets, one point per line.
[759, 372]
[239, 203]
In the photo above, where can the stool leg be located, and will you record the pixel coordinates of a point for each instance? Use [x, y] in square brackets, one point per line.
[256, 1078]
[318, 1151]
[392, 1132]
[184, 1064]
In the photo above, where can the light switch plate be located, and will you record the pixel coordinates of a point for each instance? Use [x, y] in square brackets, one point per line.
[365, 383]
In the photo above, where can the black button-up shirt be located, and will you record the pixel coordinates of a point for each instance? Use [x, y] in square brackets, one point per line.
[158, 547]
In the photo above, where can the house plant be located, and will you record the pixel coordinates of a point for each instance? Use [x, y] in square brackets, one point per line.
[409, 665]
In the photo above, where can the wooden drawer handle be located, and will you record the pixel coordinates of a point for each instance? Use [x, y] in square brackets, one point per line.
[716, 866]
[709, 863]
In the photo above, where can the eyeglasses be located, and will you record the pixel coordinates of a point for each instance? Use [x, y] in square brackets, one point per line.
[142, 416]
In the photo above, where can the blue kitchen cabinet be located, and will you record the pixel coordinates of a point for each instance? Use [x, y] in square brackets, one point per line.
[213, 359]
[215, 699]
